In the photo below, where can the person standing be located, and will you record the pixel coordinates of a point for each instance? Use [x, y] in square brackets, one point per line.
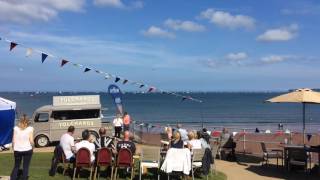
[22, 143]
[126, 121]
[117, 123]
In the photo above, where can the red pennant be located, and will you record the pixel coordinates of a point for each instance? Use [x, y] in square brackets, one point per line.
[13, 45]
[63, 62]
[151, 89]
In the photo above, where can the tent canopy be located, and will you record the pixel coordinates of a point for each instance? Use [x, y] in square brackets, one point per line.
[7, 118]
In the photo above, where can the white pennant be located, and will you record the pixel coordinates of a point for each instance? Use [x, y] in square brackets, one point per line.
[29, 52]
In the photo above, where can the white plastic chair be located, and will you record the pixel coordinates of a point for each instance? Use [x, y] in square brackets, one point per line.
[150, 158]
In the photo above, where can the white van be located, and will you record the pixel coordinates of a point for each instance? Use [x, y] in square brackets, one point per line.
[82, 112]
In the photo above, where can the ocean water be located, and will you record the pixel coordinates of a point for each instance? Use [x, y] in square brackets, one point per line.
[238, 110]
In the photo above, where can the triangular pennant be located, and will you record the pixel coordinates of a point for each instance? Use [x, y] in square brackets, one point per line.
[99, 72]
[29, 52]
[43, 57]
[13, 45]
[184, 98]
[309, 136]
[117, 79]
[125, 81]
[63, 62]
[86, 69]
[151, 89]
[107, 76]
[141, 86]
[77, 65]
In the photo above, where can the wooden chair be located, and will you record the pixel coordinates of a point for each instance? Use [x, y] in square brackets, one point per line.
[196, 162]
[299, 157]
[124, 160]
[65, 163]
[104, 159]
[150, 158]
[271, 154]
[83, 160]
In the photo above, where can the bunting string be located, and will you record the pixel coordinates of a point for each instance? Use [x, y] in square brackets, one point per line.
[106, 75]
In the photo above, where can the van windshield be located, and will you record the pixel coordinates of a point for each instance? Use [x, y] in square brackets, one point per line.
[75, 114]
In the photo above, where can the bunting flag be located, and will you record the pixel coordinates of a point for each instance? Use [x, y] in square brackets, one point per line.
[29, 52]
[86, 69]
[117, 79]
[12, 45]
[43, 57]
[151, 89]
[63, 62]
[309, 136]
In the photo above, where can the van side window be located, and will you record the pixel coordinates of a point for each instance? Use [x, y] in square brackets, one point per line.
[76, 114]
[42, 117]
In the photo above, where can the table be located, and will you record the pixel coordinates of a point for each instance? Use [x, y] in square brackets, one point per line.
[309, 149]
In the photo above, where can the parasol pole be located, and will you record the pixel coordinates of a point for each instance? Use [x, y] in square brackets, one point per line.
[304, 121]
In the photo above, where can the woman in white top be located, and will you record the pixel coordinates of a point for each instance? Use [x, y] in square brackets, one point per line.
[22, 143]
[193, 142]
[117, 123]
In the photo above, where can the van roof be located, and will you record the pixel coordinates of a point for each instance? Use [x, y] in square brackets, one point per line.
[75, 107]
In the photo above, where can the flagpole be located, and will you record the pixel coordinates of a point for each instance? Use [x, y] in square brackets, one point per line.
[304, 121]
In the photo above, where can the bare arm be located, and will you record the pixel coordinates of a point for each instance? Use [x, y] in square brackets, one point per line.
[31, 138]
[13, 137]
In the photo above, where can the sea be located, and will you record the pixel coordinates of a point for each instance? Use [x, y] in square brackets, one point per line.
[234, 110]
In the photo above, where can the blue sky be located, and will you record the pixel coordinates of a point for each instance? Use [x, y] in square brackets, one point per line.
[236, 45]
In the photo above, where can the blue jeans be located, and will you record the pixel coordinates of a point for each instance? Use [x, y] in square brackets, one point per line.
[18, 157]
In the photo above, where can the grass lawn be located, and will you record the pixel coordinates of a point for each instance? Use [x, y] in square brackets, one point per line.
[40, 165]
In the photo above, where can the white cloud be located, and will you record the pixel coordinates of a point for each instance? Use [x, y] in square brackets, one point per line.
[154, 31]
[225, 19]
[110, 3]
[279, 34]
[184, 25]
[118, 4]
[20, 11]
[237, 56]
[271, 59]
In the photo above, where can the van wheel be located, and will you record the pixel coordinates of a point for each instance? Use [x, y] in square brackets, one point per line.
[42, 141]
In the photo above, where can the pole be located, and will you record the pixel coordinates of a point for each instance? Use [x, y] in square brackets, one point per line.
[304, 121]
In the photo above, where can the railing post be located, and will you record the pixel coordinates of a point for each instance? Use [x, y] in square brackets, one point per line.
[244, 141]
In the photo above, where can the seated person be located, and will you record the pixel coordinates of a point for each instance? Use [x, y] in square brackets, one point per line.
[193, 143]
[67, 144]
[183, 132]
[176, 142]
[126, 143]
[104, 140]
[86, 144]
[204, 138]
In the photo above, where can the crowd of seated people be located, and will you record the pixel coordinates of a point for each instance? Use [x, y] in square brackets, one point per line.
[70, 147]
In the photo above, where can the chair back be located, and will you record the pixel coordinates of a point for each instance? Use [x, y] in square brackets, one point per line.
[197, 155]
[150, 154]
[214, 148]
[298, 154]
[104, 157]
[83, 158]
[263, 147]
[125, 158]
